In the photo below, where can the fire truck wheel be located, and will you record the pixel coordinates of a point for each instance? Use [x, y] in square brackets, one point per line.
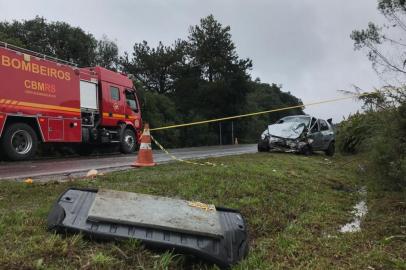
[128, 142]
[19, 142]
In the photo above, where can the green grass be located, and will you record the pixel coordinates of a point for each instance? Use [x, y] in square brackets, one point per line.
[294, 206]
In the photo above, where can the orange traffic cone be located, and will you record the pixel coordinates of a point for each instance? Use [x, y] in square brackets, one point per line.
[144, 158]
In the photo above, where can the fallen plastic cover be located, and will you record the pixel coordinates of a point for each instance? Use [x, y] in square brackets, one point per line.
[155, 212]
[214, 234]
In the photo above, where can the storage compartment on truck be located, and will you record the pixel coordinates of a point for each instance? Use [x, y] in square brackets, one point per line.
[55, 129]
[89, 103]
[88, 95]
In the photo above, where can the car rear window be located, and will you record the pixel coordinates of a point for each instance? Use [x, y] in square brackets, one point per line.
[296, 119]
[323, 125]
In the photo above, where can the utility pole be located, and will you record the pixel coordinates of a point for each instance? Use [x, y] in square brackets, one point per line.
[232, 132]
[221, 140]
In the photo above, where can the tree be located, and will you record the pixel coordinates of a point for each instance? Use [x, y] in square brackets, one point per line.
[211, 48]
[155, 68]
[57, 39]
[388, 63]
[261, 97]
[107, 54]
[387, 52]
[202, 78]
[213, 52]
[71, 44]
[7, 39]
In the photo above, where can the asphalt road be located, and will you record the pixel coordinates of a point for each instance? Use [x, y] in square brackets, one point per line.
[59, 169]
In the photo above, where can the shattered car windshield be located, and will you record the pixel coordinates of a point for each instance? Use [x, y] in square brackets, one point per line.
[295, 119]
[290, 127]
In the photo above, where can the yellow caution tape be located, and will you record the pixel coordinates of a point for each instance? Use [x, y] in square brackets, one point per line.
[182, 160]
[264, 112]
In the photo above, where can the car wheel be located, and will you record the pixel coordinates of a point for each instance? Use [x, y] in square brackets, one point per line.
[19, 142]
[128, 142]
[331, 149]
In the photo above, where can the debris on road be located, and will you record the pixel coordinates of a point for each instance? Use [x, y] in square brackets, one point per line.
[327, 161]
[28, 181]
[361, 168]
[359, 211]
[92, 173]
[214, 234]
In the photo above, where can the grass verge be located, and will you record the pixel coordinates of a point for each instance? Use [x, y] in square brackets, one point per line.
[294, 206]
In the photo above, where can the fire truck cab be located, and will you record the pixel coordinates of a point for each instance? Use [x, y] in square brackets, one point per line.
[47, 100]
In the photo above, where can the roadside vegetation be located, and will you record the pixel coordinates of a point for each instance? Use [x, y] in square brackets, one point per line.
[379, 135]
[379, 131]
[294, 206]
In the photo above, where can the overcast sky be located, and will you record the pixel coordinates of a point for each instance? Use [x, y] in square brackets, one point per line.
[302, 45]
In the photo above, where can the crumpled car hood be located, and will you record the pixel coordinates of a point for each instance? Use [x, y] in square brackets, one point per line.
[288, 130]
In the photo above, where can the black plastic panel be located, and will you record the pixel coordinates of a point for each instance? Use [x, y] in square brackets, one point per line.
[70, 214]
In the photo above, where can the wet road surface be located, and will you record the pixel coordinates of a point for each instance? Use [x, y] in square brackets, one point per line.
[59, 169]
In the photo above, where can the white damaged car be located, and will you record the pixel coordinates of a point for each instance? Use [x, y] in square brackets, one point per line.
[299, 134]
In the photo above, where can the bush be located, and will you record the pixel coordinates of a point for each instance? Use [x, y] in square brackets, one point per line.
[388, 145]
[353, 133]
[382, 136]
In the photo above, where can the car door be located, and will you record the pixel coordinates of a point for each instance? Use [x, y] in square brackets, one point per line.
[316, 136]
[327, 134]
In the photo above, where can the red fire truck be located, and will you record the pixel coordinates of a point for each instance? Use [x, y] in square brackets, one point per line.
[43, 99]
